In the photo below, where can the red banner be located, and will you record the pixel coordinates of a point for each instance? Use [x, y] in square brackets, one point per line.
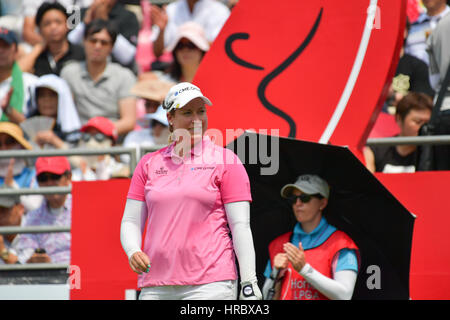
[422, 193]
[315, 70]
[96, 250]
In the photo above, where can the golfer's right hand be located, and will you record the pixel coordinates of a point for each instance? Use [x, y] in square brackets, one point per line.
[280, 261]
[139, 262]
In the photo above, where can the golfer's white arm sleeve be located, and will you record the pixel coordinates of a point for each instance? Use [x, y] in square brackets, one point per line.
[238, 215]
[339, 288]
[132, 226]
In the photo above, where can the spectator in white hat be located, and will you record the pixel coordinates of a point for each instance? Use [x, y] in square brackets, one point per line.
[99, 86]
[315, 261]
[154, 132]
[52, 98]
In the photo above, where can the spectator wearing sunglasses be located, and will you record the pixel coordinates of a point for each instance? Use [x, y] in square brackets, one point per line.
[55, 210]
[188, 49]
[315, 261]
[99, 86]
[98, 133]
[127, 25]
[210, 14]
[154, 132]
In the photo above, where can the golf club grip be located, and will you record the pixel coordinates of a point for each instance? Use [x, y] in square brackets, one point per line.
[273, 276]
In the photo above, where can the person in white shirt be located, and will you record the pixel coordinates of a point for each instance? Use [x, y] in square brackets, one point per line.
[210, 14]
[439, 51]
[416, 43]
[154, 133]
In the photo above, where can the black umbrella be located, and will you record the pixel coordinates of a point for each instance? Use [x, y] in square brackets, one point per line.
[358, 205]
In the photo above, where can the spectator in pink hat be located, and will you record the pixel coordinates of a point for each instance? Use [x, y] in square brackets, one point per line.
[188, 48]
[98, 133]
[210, 14]
[55, 210]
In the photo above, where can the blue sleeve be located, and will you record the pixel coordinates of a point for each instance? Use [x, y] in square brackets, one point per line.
[347, 260]
[268, 270]
[33, 183]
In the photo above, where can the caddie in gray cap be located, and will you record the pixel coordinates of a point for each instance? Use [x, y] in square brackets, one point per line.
[309, 184]
[314, 253]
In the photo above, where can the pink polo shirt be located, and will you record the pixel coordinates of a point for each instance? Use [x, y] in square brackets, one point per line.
[187, 236]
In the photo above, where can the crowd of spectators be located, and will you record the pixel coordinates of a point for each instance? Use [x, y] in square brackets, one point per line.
[424, 60]
[69, 78]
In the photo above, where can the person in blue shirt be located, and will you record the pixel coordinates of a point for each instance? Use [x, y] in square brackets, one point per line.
[17, 173]
[315, 261]
[422, 28]
[12, 138]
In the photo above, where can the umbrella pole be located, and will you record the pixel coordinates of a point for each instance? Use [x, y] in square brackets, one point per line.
[271, 292]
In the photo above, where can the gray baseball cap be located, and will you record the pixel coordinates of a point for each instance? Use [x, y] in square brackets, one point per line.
[10, 200]
[309, 184]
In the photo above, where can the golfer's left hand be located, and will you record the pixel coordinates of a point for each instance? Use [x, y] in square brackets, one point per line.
[139, 262]
[250, 291]
[295, 255]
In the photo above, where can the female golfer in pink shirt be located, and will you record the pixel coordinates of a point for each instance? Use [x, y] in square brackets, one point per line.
[187, 197]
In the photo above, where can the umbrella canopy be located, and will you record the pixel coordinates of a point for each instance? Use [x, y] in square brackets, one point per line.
[358, 205]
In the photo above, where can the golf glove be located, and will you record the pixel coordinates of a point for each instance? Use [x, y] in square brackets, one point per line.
[250, 291]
